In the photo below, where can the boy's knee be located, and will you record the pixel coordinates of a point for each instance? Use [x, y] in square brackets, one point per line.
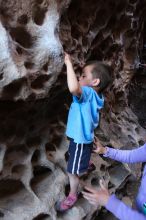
[73, 175]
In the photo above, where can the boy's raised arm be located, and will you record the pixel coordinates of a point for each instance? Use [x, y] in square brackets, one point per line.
[73, 84]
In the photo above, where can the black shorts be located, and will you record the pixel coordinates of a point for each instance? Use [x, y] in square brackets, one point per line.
[79, 157]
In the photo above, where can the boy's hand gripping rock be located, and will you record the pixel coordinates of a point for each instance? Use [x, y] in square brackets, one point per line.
[67, 58]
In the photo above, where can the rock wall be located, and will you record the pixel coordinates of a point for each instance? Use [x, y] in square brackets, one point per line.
[34, 99]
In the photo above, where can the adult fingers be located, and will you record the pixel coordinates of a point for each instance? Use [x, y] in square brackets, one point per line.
[89, 198]
[89, 189]
[97, 150]
[88, 195]
[96, 139]
[92, 201]
[102, 184]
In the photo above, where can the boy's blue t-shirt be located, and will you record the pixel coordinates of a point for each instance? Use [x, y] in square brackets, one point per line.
[83, 116]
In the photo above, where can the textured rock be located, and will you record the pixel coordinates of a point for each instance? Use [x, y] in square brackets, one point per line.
[31, 57]
[34, 100]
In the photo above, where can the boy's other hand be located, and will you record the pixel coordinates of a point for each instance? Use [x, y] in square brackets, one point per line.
[99, 148]
[97, 197]
[67, 58]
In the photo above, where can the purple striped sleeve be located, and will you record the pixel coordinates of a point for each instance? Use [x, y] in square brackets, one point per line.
[127, 156]
[122, 211]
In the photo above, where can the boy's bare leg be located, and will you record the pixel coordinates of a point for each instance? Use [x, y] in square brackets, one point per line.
[74, 183]
[71, 199]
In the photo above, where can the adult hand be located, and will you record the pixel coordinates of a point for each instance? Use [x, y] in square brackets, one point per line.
[97, 197]
[99, 148]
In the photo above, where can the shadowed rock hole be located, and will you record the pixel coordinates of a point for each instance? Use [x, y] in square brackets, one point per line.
[57, 140]
[110, 185]
[101, 14]
[50, 147]
[137, 89]
[39, 15]
[50, 155]
[104, 215]
[59, 129]
[106, 43]
[13, 89]
[31, 128]
[17, 148]
[121, 6]
[31, 97]
[39, 82]
[67, 189]
[1, 214]
[32, 111]
[41, 216]
[36, 156]
[84, 177]
[20, 130]
[96, 214]
[141, 142]
[4, 12]
[7, 132]
[122, 191]
[39, 1]
[9, 187]
[45, 67]
[29, 65]
[103, 167]
[33, 141]
[40, 170]
[20, 35]
[40, 173]
[19, 50]
[1, 76]
[132, 1]
[96, 55]
[66, 156]
[110, 53]
[95, 181]
[19, 169]
[23, 19]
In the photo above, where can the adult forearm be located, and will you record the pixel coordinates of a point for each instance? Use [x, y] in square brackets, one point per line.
[127, 156]
[123, 211]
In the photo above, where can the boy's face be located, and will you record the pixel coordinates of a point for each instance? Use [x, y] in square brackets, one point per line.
[86, 78]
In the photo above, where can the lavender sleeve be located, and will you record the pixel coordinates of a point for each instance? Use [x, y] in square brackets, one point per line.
[127, 156]
[122, 211]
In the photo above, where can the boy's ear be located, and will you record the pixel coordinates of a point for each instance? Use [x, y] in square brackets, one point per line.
[95, 82]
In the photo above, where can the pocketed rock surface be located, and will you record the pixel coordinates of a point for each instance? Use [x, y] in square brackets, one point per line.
[34, 100]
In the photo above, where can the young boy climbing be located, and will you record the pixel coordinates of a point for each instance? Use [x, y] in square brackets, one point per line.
[83, 118]
[111, 202]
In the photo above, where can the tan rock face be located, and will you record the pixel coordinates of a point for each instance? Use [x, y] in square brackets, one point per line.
[34, 99]
[31, 57]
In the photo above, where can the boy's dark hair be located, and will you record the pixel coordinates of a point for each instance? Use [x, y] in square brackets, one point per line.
[101, 71]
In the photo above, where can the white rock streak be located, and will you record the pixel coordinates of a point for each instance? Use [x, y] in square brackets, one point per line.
[47, 43]
[7, 65]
